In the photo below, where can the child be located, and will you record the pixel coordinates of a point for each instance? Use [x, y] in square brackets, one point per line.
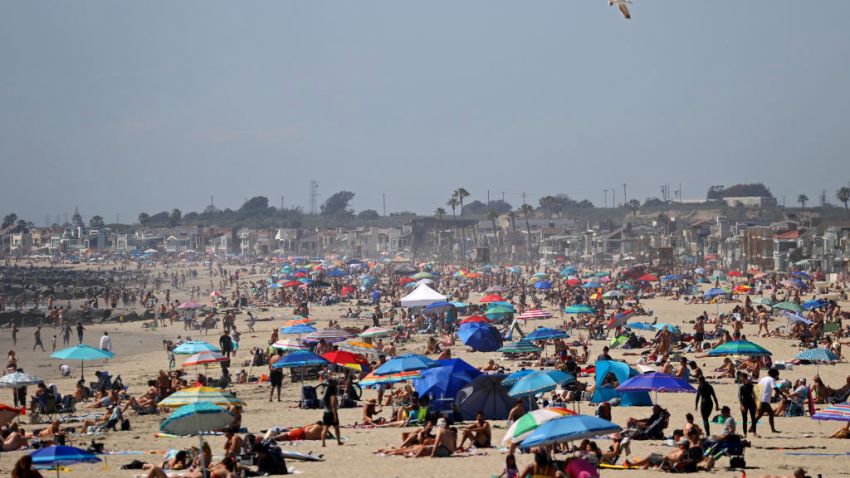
[511, 470]
[54, 342]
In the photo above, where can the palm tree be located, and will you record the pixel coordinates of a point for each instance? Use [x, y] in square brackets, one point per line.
[843, 195]
[802, 199]
[460, 194]
[453, 203]
[525, 209]
[492, 215]
[144, 218]
[634, 205]
[439, 213]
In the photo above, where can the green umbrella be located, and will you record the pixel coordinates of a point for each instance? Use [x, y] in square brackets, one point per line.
[520, 347]
[789, 306]
[763, 301]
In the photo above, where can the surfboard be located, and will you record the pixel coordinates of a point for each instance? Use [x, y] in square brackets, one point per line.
[294, 455]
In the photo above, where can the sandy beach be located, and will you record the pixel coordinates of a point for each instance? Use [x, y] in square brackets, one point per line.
[140, 354]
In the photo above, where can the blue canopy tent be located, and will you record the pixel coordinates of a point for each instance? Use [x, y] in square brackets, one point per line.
[622, 372]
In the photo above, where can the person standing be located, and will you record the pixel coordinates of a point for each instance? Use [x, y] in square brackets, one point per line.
[66, 333]
[275, 375]
[106, 342]
[747, 399]
[38, 343]
[330, 417]
[705, 392]
[768, 384]
[226, 344]
[14, 334]
[80, 331]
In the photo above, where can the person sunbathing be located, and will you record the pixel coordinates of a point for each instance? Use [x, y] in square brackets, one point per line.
[50, 431]
[478, 433]
[226, 468]
[13, 438]
[445, 442]
[727, 370]
[657, 459]
[309, 432]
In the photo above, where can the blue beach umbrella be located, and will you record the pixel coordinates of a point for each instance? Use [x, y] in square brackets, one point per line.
[814, 304]
[640, 326]
[714, 292]
[405, 363]
[539, 382]
[195, 347]
[438, 307]
[543, 285]
[817, 355]
[569, 428]
[297, 329]
[446, 379]
[197, 419]
[669, 327]
[591, 285]
[60, 455]
[656, 382]
[299, 359]
[481, 337]
[516, 376]
[82, 353]
[545, 333]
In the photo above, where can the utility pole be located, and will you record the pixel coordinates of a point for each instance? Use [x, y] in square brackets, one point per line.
[625, 200]
[488, 198]
[314, 193]
[281, 203]
[384, 203]
[503, 196]
[606, 198]
[613, 198]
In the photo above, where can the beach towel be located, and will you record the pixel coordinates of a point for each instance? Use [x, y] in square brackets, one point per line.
[619, 467]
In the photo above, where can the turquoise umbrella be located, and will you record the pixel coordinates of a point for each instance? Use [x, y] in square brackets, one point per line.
[790, 306]
[579, 309]
[195, 347]
[739, 347]
[82, 353]
[539, 382]
[569, 428]
[197, 419]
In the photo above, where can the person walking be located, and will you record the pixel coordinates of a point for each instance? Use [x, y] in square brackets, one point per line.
[768, 384]
[80, 331]
[705, 392]
[330, 417]
[38, 342]
[226, 344]
[14, 334]
[747, 399]
[66, 334]
[106, 342]
[275, 375]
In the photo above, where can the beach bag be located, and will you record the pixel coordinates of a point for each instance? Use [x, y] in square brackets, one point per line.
[309, 398]
[125, 425]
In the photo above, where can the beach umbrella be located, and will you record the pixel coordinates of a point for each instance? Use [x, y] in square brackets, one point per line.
[492, 298]
[19, 380]
[539, 382]
[358, 347]
[423, 275]
[521, 347]
[640, 326]
[498, 311]
[82, 353]
[531, 421]
[626, 286]
[197, 419]
[534, 314]
[673, 329]
[446, 379]
[714, 292]
[405, 363]
[289, 344]
[330, 335]
[299, 359]
[742, 289]
[546, 333]
[837, 411]
[515, 377]
[817, 355]
[189, 306]
[506, 305]
[438, 307]
[613, 294]
[204, 358]
[620, 318]
[188, 396]
[656, 382]
[371, 379]
[341, 357]
[475, 319]
[485, 394]
[215, 293]
[543, 285]
[648, 278]
[59, 455]
[797, 318]
[739, 347]
[735, 274]
[195, 347]
[297, 320]
[765, 301]
[481, 337]
[579, 309]
[337, 273]
[591, 285]
[790, 306]
[459, 305]
[569, 428]
[374, 332]
[573, 281]
[815, 304]
[7, 413]
[297, 329]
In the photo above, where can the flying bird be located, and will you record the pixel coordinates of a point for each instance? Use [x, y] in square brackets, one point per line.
[623, 6]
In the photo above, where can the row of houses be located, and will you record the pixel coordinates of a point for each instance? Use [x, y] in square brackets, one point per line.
[811, 243]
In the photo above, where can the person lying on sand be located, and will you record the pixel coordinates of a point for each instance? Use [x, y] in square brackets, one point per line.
[370, 409]
[657, 459]
[309, 432]
[13, 438]
[227, 468]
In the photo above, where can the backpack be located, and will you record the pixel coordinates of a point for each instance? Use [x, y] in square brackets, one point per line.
[125, 425]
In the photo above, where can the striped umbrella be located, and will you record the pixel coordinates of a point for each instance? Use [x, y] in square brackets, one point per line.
[817, 355]
[530, 421]
[204, 358]
[569, 428]
[341, 357]
[188, 396]
[373, 332]
[289, 345]
[579, 309]
[521, 347]
[837, 411]
[299, 321]
[371, 380]
[359, 347]
[788, 306]
[739, 347]
[19, 380]
[328, 335]
[535, 314]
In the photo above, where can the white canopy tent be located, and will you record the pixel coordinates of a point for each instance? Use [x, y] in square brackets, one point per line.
[422, 295]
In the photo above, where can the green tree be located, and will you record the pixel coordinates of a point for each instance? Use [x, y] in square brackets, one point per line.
[144, 219]
[453, 203]
[96, 222]
[256, 202]
[9, 219]
[461, 193]
[368, 214]
[843, 195]
[802, 199]
[634, 205]
[439, 213]
[175, 217]
[337, 204]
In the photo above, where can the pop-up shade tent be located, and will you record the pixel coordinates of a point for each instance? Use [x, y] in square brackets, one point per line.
[422, 295]
[622, 372]
[487, 394]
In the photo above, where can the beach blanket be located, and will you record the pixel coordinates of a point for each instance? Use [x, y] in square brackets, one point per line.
[619, 467]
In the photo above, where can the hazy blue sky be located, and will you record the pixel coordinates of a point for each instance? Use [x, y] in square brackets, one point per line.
[122, 107]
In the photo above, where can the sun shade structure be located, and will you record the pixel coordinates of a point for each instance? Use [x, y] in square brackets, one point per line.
[197, 419]
[656, 382]
[521, 347]
[195, 347]
[535, 314]
[739, 347]
[328, 335]
[422, 295]
[817, 355]
[188, 396]
[579, 309]
[297, 329]
[532, 420]
[569, 428]
[300, 359]
[204, 358]
[545, 333]
[405, 363]
[82, 353]
[60, 455]
[539, 382]
[481, 337]
[371, 379]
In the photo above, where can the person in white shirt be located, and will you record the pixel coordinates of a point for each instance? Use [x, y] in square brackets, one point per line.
[768, 384]
[106, 342]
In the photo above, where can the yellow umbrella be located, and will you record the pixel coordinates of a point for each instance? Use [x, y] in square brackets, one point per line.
[188, 396]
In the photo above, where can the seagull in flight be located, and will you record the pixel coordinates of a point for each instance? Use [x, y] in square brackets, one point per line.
[623, 6]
